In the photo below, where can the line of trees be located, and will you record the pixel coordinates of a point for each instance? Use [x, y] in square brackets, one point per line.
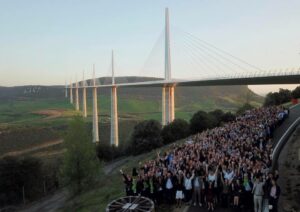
[283, 96]
[150, 134]
[26, 179]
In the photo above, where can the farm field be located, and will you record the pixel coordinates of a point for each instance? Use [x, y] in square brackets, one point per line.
[29, 120]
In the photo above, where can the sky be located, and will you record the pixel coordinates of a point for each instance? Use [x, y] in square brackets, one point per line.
[50, 41]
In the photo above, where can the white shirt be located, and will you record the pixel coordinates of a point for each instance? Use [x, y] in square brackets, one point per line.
[169, 184]
[188, 183]
[228, 175]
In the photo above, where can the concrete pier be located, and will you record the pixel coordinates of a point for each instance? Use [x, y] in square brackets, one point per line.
[163, 106]
[76, 96]
[71, 93]
[84, 111]
[114, 127]
[95, 111]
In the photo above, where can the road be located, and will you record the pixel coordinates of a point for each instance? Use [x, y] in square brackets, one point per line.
[294, 114]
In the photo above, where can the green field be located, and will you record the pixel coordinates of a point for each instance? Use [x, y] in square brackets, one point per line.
[25, 121]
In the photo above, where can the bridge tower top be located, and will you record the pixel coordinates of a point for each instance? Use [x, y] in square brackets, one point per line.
[167, 47]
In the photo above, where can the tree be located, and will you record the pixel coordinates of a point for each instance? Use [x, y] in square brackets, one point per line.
[16, 174]
[80, 164]
[107, 152]
[146, 136]
[296, 92]
[285, 95]
[174, 131]
[201, 121]
[244, 108]
[217, 116]
[277, 98]
[228, 117]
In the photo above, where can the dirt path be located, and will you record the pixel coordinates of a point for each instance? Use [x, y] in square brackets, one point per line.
[50, 113]
[35, 148]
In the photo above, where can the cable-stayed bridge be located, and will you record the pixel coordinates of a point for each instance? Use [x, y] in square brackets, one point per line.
[214, 66]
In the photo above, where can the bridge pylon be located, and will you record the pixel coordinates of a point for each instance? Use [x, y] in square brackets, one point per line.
[168, 90]
[95, 110]
[76, 96]
[114, 127]
[71, 92]
[84, 112]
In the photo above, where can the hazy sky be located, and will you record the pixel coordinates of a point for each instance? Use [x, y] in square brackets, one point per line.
[45, 42]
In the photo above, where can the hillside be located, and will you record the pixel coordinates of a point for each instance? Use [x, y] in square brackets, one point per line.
[44, 111]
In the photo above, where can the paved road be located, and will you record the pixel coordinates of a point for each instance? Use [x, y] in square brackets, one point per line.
[294, 114]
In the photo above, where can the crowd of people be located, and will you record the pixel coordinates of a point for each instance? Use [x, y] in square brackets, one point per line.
[228, 166]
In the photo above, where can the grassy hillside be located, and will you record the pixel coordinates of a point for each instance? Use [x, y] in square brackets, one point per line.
[37, 115]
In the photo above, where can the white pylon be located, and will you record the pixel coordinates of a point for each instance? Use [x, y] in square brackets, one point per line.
[95, 110]
[168, 91]
[66, 89]
[114, 128]
[71, 92]
[84, 112]
[76, 96]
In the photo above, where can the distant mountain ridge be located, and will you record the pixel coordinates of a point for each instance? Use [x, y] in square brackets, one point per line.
[185, 96]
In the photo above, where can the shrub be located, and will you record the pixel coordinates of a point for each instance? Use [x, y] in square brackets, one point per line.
[107, 152]
[174, 131]
[146, 136]
[201, 121]
[16, 174]
[244, 108]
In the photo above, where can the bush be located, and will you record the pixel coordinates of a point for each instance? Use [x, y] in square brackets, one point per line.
[146, 136]
[296, 93]
[80, 161]
[217, 116]
[107, 152]
[174, 131]
[201, 121]
[16, 173]
[228, 117]
[277, 98]
[244, 108]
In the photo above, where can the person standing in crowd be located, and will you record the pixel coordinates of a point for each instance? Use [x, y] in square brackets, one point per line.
[188, 186]
[258, 193]
[197, 184]
[274, 196]
[248, 200]
[223, 163]
[169, 187]
[179, 189]
[210, 196]
[128, 183]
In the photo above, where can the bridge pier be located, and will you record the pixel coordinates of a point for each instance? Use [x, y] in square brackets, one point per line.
[71, 93]
[95, 117]
[84, 112]
[114, 122]
[171, 104]
[66, 89]
[168, 104]
[163, 106]
[76, 97]
[114, 128]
